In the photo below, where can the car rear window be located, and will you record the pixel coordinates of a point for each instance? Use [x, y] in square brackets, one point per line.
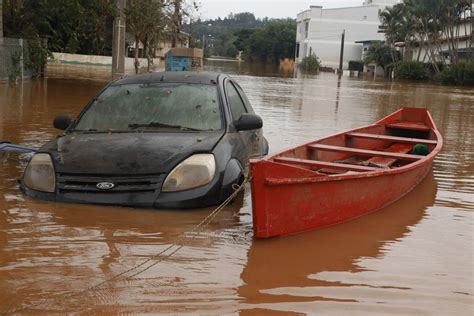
[127, 107]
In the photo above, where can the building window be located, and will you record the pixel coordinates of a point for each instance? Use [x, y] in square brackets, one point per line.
[310, 51]
[306, 29]
[297, 50]
[365, 17]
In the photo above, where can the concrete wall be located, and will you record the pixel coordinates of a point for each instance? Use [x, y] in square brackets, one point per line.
[319, 31]
[91, 66]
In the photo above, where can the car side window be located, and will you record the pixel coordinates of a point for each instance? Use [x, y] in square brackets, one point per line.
[237, 107]
[248, 106]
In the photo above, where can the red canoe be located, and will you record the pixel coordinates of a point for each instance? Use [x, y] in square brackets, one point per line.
[343, 176]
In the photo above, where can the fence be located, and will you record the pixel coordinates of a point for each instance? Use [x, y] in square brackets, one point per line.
[14, 59]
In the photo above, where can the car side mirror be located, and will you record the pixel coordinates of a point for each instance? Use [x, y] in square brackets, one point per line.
[248, 122]
[62, 121]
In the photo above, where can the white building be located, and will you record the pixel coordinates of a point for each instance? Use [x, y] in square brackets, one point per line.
[319, 31]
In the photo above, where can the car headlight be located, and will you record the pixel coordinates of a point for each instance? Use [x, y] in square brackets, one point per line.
[39, 175]
[193, 172]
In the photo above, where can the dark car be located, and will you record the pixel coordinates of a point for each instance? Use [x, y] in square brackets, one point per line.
[164, 140]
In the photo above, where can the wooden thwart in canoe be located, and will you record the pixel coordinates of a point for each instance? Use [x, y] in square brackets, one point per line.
[393, 138]
[322, 164]
[343, 176]
[365, 152]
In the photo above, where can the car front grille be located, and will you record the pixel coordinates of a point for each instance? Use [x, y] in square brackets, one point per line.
[132, 184]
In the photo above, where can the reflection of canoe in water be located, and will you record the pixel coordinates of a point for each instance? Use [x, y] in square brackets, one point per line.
[287, 262]
[343, 176]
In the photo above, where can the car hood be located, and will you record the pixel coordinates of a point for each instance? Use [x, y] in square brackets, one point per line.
[126, 153]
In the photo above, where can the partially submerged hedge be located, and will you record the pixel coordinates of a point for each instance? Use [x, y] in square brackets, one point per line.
[462, 74]
[310, 63]
[356, 65]
[411, 70]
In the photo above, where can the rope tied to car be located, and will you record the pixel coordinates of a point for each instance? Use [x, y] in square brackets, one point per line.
[151, 261]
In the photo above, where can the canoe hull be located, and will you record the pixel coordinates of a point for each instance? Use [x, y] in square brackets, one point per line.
[289, 207]
[343, 176]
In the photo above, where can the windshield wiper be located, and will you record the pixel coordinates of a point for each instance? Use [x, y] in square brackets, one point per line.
[158, 124]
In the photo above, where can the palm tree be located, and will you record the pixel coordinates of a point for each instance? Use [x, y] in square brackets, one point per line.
[398, 25]
[381, 54]
[455, 14]
[438, 21]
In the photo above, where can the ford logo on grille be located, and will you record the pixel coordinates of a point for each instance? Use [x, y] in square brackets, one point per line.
[105, 185]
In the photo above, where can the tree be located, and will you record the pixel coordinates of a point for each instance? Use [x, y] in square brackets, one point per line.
[242, 39]
[95, 30]
[213, 29]
[146, 21]
[381, 54]
[73, 26]
[398, 25]
[224, 44]
[430, 23]
[175, 21]
[272, 43]
[28, 20]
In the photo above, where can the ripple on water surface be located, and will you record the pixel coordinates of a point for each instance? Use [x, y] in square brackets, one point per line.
[413, 257]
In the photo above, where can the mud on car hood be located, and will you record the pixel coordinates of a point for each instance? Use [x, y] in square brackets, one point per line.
[127, 153]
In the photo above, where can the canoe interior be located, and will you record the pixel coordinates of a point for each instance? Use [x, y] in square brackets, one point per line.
[386, 144]
[343, 176]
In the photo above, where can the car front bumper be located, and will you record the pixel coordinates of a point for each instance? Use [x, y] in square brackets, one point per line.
[131, 191]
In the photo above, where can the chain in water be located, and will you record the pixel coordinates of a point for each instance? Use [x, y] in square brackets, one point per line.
[149, 262]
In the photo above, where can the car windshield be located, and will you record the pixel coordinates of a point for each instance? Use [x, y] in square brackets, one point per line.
[153, 106]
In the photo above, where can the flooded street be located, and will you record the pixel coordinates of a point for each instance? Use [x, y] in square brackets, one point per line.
[414, 257]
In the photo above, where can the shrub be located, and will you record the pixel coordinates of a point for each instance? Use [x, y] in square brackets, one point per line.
[432, 70]
[38, 53]
[16, 67]
[411, 70]
[447, 77]
[310, 63]
[356, 65]
[462, 74]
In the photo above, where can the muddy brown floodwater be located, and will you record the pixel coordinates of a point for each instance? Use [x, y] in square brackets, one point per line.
[414, 257]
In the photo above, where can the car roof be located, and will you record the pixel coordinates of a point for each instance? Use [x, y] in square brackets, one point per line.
[172, 76]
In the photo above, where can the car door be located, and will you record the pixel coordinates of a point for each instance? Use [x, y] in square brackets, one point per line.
[251, 140]
[258, 141]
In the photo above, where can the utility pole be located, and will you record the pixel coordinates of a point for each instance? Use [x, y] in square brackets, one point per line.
[341, 57]
[203, 44]
[1, 19]
[471, 53]
[118, 42]
[176, 22]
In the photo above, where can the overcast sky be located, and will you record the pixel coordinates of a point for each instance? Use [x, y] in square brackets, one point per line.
[211, 9]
